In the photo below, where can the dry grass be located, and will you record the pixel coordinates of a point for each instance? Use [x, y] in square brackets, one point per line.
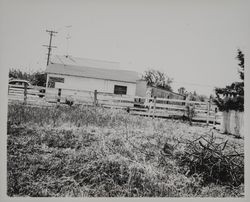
[83, 151]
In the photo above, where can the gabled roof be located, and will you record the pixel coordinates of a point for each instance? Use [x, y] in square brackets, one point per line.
[99, 69]
[76, 61]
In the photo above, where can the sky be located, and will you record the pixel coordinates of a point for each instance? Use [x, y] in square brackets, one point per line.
[194, 42]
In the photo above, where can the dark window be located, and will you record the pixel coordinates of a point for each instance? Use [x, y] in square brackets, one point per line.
[121, 90]
[52, 80]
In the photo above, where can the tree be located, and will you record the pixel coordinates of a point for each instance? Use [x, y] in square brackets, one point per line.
[233, 95]
[158, 79]
[182, 91]
[37, 78]
[240, 57]
[18, 74]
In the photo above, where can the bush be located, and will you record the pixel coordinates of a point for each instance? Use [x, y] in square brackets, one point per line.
[211, 159]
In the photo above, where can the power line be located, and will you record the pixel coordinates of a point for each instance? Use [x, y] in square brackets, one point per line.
[51, 33]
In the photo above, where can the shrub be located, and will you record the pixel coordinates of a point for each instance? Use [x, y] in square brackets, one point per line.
[211, 159]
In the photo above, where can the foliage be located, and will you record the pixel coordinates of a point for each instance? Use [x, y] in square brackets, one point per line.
[182, 91]
[37, 78]
[210, 157]
[69, 101]
[240, 57]
[233, 95]
[158, 79]
[18, 74]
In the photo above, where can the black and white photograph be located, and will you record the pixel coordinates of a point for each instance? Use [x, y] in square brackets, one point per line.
[123, 98]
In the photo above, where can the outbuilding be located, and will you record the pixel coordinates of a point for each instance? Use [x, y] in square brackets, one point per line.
[145, 90]
[74, 73]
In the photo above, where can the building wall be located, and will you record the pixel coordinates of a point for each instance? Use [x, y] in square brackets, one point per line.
[141, 88]
[91, 84]
[160, 93]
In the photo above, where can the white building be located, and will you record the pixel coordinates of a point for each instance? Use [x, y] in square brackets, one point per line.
[69, 72]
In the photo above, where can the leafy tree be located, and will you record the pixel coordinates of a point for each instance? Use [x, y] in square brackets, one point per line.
[240, 57]
[37, 78]
[158, 79]
[18, 74]
[232, 96]
[182, 91]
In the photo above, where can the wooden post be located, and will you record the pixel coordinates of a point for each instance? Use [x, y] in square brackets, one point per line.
[25, 93]
[215, 113]
[208, 111]
[59, 96]
[95, 98]
[120, 100]
[154, 107]
[149, 103]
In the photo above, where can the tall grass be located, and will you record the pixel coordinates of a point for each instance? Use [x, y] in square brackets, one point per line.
[58, 115]
[85, 151]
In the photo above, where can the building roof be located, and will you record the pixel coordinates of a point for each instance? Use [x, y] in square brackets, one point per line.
[99, 69]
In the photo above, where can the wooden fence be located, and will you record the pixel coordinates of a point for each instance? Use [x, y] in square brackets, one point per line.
[152, 107]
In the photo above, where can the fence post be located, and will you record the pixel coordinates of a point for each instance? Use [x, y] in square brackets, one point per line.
[59, 96]
[25, 93]
[154, 107]
[208, 111]
[95, 98]
[215, 112]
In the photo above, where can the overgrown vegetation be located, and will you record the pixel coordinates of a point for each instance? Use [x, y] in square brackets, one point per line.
[212, 159]
[87, 151]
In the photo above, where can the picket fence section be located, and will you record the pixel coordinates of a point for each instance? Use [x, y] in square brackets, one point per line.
[153, 107]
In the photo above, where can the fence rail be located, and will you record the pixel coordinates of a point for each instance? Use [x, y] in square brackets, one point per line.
[147, 106]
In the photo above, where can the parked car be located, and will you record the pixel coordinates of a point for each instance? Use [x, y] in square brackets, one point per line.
[20, 84]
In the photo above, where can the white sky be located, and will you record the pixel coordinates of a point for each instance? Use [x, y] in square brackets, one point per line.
[194, 42]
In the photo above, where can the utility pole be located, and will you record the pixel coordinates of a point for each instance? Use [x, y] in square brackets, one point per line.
[67, 38]
[51, 33]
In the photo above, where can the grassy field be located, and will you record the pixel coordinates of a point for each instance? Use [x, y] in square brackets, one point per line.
[83, 151]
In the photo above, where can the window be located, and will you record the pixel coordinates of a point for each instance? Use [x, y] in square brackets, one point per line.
[52, 80]
[120, 90]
